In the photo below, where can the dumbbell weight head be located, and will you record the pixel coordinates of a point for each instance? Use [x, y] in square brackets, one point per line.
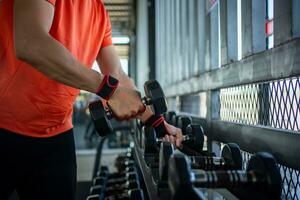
[136, 194]
[129, 185]
[103, 171]
[265, 164]
[149, 140]
[183, 122]
[155, 97]
[100, 118]
[133, 184]
[179, 177]
[232, 155]
[99, 180]
[125, 156]
[175, 120]
[122, 180]
[122, 165]
[197, 132]
[133, 194]
[169, 116]
[106, 174]
[165, 151]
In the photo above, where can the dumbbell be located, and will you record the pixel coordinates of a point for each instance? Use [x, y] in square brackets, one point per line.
[120, 188]
[261, 180]
[101, 115]
[106, 174]
[169, 117]
[100, 180]
[194, 137]
[125, 156]
[231, 159]
[135, 194]
[126, 163]
[115, 188]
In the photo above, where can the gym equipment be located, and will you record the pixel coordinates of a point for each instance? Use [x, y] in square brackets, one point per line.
[105, 173]
[194, 138]
[101, 114]
[109, 190]
[231, 159]
[103, 180]
[169, 116]
[261, 180]
[135, 194]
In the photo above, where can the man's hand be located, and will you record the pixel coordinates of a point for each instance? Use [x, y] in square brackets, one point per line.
[126, 103]
[174, 135]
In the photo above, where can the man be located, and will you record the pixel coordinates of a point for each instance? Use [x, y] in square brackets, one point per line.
[47, 48]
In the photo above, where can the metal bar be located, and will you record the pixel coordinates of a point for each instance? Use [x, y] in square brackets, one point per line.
[207, 62]
[296, 17]
[151, 38]
[246, 22]
[167, 19]
[191, 37]
[184, 40]
[224, 40]
[163, 42]
[157, 41]
[258, 25]
[232, 30]
[173, 43]
[201, 35]
[282, 21]
[146, 173]
[281, 62]
[177, 41]
[215, 37]
[283, 144]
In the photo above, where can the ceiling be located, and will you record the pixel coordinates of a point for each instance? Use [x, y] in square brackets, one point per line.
[122, 16]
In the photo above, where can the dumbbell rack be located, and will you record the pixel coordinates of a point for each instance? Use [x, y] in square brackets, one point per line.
[147, 174]
[150, 175]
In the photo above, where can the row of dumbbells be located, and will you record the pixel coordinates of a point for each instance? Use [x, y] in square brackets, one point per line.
[261, 180]
[121, 185]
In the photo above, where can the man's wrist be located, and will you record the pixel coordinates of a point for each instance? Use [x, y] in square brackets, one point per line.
[107, 87]
[158, 123]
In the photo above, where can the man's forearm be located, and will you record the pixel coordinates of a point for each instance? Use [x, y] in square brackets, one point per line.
[52, 59]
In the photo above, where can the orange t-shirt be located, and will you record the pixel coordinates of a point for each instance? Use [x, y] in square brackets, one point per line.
[30, 103]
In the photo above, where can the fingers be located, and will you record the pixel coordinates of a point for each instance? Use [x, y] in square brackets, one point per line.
[174, 135]
[127, 112]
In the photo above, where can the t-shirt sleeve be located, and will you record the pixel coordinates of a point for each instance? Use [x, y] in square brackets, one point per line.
[52, 2]
[107, 40]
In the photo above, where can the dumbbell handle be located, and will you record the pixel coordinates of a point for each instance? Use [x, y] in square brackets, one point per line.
[146, 101]
[227, 179]
[184, 138]
[210, 163]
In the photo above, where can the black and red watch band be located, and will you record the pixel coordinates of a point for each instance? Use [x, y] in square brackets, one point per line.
[158, 123]
[107, 87]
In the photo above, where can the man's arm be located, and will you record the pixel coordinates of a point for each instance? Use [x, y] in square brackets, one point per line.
[109, 63]
[34, 45]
